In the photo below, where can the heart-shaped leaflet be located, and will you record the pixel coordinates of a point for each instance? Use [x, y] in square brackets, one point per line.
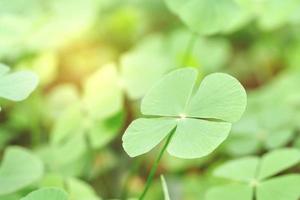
[201, 119]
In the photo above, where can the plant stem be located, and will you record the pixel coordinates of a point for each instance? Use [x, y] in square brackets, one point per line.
[155, 165]
[91, 157]
[189, 49]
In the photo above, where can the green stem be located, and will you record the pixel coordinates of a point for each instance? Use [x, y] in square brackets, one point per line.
[189, 49]
[155, 165]
[91, 157]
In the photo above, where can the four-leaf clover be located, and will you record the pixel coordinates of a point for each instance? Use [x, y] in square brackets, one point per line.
[201, 119]
[254, 177]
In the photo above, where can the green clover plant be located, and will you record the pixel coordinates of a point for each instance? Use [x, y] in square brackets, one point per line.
[19, 169]
[259, 129]
[90, 121]
[47, 194]
[194, 121]
[254, 176]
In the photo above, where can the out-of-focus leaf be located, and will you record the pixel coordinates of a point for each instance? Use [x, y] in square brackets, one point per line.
[47, 194]
[16, 86]
[208, 17]
[103, 96]
[277, 161]
[79, 190]
[255, 173]
[230, 192]
[243, 169]
[19, 169]
[144, 65]
[280, 188]
[276, 13]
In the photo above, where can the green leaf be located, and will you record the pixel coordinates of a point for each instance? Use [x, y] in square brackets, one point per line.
[16, 86]
[279, 138]
[170, 98]
[206, 16]
[80, 190]
[103, 96]
[165, 187]
[143, 134]
[102, 132]
[150, 59]
[19, 169]
[276, 13]
[219, 96]
[203, 137]
[170, 95]
[243, 169]
[3, 69]
[59, 99]
[47, 194]
[70, 122]
[230, 192]
[259, 128]
[280, 188]
[276, 161]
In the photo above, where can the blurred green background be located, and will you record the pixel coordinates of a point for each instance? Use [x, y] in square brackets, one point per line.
[97, 58]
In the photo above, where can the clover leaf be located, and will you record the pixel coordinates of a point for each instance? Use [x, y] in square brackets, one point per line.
[88, 121]
[269, 17]
[201, 120]
[18, 85]
[79, 190]
[150, 58]
[259, 129]
[103, 95]
[209, 17]
[19, 169]
[157, 55]
[47, 194]
[254, 176]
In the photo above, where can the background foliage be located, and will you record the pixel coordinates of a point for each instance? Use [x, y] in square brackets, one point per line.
[96, 59]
